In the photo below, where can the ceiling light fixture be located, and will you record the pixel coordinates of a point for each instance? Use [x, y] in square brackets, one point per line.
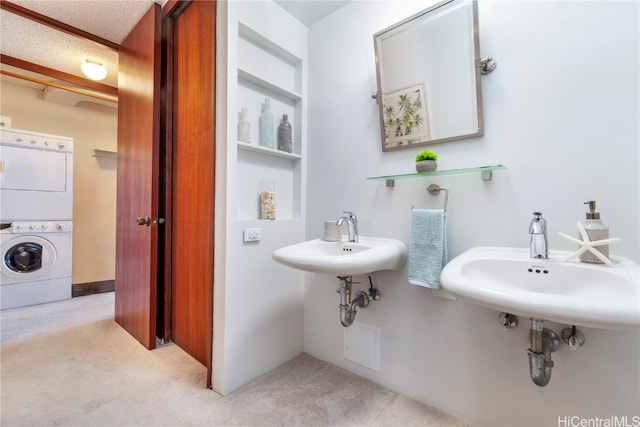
[93, 69]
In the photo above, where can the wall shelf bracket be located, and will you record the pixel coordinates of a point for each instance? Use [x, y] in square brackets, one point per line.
[487, 65]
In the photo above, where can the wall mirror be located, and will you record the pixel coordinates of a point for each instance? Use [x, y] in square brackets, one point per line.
[428, 72]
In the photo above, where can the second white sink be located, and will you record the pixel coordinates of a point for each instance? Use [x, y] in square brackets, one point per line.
[344, 258]
[576, 293]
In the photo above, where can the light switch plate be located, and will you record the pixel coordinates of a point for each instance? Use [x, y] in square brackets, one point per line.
[252, 234]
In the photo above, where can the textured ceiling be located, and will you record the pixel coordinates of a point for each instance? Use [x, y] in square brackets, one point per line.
[30, 41]
[110, 19]
[39, 44]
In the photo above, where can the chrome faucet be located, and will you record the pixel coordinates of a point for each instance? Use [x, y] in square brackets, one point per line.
[538, 247]
[352, 225]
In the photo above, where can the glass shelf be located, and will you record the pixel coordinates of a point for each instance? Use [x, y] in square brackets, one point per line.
[485, 173]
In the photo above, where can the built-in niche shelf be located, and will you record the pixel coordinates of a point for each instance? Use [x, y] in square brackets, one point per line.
[103, 152]
[266, 70]
[267, 151]
[486, 174]
[268, 86]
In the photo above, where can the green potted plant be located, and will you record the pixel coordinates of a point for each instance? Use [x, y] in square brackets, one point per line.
[426, 161]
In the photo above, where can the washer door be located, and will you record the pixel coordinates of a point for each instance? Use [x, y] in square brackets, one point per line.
[26, 257]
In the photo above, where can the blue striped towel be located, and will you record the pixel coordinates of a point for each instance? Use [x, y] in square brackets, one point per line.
[427, 247]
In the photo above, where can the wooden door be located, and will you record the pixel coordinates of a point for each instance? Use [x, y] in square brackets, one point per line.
[137, 179]
[193, 159]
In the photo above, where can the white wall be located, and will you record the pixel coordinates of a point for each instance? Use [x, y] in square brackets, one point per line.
[94, 179]
[258, 304]
[561, 113]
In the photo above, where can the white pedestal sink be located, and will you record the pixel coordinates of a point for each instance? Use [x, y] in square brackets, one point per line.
[575, 293]
[344, 259]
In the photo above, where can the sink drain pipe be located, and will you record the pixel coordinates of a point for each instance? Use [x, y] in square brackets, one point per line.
[348, 306]
[543, 343]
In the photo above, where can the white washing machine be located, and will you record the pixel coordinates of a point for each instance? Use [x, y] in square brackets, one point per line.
[36, 176]
[36, 262]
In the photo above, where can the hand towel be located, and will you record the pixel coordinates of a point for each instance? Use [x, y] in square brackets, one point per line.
[427, 247]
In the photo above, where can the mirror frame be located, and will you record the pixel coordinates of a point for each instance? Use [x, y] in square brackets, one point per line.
[441, 6]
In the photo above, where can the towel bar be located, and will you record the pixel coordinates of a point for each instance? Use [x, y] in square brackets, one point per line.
[435, 189]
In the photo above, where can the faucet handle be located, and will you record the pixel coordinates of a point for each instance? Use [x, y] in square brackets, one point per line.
[538, 224]
[537, 217]
[352, 216]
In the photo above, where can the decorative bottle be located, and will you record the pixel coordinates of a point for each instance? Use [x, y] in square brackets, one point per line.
[266, 125]
[596, 230]
[285, 142]
[244, 127]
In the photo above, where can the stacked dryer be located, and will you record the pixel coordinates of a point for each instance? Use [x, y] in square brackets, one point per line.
[36, 217]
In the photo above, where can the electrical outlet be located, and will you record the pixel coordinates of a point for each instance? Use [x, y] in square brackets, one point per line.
[252, 234]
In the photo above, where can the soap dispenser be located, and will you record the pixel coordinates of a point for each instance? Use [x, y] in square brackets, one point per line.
[596, 230]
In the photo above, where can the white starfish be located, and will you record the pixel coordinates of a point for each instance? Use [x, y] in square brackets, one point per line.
[587, 245]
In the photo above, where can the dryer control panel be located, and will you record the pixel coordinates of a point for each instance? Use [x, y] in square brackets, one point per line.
[36, 140]
[31, 227]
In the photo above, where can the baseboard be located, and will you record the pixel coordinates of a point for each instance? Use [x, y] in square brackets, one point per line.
[90, 288]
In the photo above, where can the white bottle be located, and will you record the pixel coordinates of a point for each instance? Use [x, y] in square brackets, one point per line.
[244, 128]
[596, 230]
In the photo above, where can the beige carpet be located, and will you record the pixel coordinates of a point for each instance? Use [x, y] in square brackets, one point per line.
[69, 364]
